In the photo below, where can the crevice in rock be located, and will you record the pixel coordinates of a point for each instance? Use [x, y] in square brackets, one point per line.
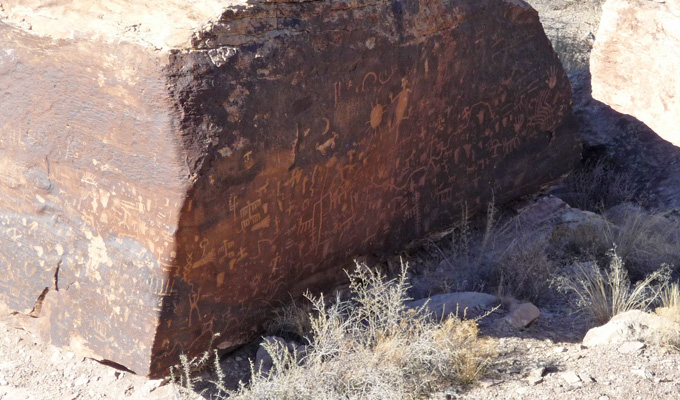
[37, 308]
[56, 276]
[296, 148]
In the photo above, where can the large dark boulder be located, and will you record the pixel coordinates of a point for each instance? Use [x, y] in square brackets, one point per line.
[164, 179]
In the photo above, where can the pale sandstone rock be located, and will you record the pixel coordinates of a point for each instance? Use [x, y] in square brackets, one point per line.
[631, 347]
[631, 326]
[635, 62]
[571, 377]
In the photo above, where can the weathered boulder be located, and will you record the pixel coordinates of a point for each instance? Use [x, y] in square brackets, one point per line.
[632, 326]
[173, 170]
[523, 315]
[635, 62]
[458, 304]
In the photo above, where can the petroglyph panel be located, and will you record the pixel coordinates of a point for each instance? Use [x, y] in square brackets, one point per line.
[325, 154]
[89, 192]
[152, 198]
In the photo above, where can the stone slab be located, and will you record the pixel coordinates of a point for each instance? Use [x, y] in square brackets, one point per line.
[155, 194]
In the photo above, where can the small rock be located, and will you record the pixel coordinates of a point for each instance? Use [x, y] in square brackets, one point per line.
[560, 349]
[534, 380]
[3, 382]
[537, 372]
[571, 377]
[603, 398]
[486, 383]
[643, 373]
[523, 315]
[238, 358]
[56, 356]
[82, 380]
[151, 385]
[631, 347]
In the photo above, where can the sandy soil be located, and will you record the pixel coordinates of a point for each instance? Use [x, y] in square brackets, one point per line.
[32, 370]
[539, 362]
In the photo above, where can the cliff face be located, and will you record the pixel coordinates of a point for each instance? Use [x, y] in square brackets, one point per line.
[163, 186]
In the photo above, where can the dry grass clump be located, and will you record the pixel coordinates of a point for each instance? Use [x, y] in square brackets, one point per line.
[670, 299]
[669, 309]
[372, 347]
[602, 295]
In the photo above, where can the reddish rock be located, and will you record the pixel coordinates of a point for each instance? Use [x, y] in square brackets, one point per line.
[156, 192]
[635, 62]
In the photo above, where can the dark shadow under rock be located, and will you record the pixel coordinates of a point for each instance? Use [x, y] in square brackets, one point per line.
[629, 147]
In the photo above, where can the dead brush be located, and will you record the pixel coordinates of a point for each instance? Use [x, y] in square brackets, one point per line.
[290, 321]
[525, 269]
[373, 347]
[596, 186]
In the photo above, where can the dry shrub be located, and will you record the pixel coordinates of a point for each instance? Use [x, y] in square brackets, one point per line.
[525, 270]
[372, 347]
[597, 186]
[290, 322]
[602, 295]
[645, 240]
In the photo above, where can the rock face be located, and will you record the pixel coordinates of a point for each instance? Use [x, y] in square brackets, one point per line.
[635, 62]
[170, 175]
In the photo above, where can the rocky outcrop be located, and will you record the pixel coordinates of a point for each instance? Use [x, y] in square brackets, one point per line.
[635, 62]
[174, 174]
